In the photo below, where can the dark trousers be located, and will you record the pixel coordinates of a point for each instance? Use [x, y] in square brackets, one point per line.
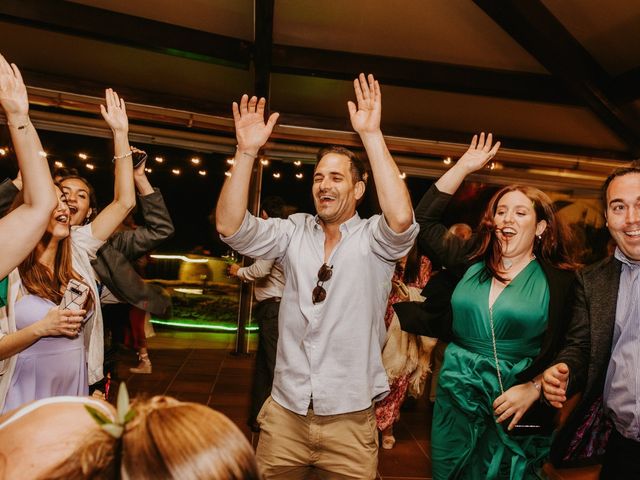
[267, 317]
[621, 458]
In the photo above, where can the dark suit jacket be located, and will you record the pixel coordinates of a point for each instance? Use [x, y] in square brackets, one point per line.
[592, 324]
[112, 263]
[453, 253]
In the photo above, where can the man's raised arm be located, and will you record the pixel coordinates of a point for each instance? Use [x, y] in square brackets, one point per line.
[251, 133]
[365, 118]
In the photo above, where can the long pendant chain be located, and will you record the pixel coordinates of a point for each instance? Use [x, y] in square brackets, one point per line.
[495, 349]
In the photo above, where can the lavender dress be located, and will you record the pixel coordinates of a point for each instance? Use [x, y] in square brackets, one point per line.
[50, 367]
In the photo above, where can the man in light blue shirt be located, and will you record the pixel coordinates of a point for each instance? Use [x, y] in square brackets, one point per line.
[602, 355]
[338, 270]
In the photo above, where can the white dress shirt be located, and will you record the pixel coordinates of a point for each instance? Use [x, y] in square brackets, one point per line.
[330, 351]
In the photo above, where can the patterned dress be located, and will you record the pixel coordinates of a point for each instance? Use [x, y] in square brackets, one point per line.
[388, 409]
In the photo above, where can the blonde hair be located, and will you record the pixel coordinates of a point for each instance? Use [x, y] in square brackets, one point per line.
[166, 439]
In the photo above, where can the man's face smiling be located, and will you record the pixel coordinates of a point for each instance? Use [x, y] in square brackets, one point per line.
[623, 213]
[334, 193]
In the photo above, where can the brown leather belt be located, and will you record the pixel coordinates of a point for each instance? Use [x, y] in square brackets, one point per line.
[270, 300]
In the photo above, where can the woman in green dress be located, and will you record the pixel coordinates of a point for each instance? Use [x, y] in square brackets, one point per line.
[515, 277]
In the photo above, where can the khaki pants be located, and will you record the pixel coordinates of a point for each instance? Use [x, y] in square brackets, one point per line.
[293, 446]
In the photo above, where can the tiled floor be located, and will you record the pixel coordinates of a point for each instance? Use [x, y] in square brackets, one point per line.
[198, 367]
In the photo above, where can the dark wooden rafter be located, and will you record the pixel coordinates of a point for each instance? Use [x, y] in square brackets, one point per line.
[128, 30]
[535, 28]
[421, 74]
[263, 46]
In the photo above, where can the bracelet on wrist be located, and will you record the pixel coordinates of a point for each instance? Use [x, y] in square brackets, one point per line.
[246, 153]
[19, 127]
[537, 386]
[120, 157]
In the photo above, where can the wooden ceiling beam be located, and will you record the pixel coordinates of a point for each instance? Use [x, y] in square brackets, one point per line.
[263, 45]
[534, 27]
[421, 74]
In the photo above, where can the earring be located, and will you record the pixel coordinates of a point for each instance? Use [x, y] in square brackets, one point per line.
[539, 237]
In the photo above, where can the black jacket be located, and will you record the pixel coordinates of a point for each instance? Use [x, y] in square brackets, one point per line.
[587, 353]
[112, 262]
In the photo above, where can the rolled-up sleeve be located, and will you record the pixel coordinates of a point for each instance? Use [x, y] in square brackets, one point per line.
[260, 238]
[389, 245]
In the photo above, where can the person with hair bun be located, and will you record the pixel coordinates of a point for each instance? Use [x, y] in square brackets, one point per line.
[162, 437]
[512, 283]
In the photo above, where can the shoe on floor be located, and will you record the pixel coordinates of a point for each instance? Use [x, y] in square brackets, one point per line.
[144, 366]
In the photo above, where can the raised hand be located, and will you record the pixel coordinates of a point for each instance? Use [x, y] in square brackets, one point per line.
[115, 113]
[365, 117]
[479, 153]
[60, 323]
[554, 384]
[251, 130]
[13, 93]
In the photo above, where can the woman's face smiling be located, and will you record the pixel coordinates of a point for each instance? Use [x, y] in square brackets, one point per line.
[78, 198]
[59, 222]
[516, 224]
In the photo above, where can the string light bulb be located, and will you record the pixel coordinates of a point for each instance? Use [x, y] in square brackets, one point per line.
[264, 162]
[403, 175]
[297, 163]
[43, 154]
[3, 151]
[202, 173]
[195, 160]
[230, 161]
[176, 171]
[159, 159]
[148, 170]
[227, 173]
[276, 175]
[83, 156]
[447, 161]
[299, 176]
[90, 166]
[58, 164]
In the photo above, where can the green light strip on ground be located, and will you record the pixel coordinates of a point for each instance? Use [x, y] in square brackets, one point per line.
[201, 326]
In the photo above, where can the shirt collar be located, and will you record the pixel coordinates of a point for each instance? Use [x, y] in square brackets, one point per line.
[346, 226]
[624, 259]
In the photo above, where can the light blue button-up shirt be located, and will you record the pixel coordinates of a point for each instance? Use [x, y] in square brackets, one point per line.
[330, 351]
[622, 384]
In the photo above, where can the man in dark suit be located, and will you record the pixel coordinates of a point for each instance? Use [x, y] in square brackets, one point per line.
[601, 358]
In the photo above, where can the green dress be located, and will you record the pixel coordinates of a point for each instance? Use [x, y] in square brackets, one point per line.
[466, 441]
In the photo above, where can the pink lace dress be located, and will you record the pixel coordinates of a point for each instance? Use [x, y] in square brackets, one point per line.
[388, 409]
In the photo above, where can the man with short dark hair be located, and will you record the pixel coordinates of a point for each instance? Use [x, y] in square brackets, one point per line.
[602, 355]
[338, 270]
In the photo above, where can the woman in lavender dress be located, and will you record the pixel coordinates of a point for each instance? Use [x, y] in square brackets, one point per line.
[36, 362]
